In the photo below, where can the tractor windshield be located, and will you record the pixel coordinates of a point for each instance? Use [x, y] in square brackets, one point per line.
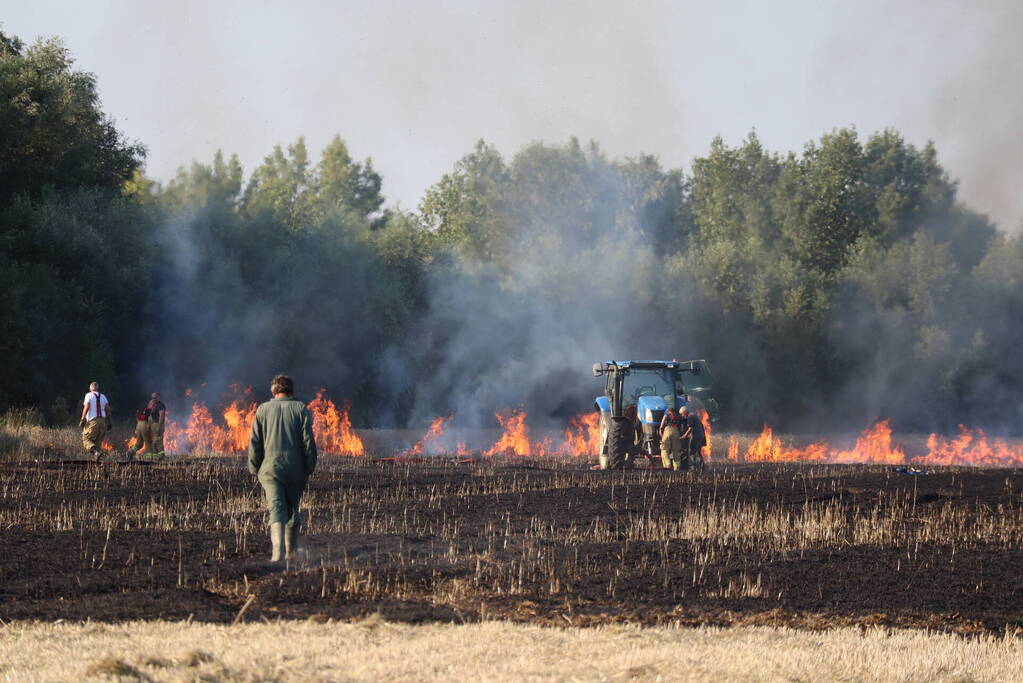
[648, 382]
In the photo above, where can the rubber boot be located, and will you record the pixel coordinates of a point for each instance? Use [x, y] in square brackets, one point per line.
[97, 454]
[277, 541]
[292, 547]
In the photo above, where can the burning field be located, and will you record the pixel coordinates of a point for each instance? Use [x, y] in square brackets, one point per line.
[531, 540]
[201, 434]
[452, 524]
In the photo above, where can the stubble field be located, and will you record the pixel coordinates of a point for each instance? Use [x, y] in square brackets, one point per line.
[546, 542]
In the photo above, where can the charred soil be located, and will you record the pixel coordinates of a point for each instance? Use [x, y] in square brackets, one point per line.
[544, 542]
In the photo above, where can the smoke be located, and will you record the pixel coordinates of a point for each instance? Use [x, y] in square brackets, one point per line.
[237, 301]
[578, 261]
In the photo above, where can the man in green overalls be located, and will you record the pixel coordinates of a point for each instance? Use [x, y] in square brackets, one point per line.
[282, 454]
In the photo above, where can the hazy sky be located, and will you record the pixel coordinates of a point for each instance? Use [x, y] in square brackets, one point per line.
[415, 84]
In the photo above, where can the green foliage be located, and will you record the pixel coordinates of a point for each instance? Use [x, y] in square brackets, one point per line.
[53, 131]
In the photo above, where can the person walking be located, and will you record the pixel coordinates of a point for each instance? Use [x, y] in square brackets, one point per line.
[143, 434]
[95, 421]
[694, 438]
[282, 455]
[671, 439]
[157, 422]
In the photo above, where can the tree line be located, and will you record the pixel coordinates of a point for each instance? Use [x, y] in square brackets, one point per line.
[829, 286]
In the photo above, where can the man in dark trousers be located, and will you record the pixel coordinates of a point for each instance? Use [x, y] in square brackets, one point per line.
[282, 454]
[694, 438]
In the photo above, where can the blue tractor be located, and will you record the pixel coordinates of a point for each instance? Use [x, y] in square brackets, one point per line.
[636, 395]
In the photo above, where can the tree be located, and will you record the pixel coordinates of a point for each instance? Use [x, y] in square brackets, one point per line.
[53, 130]
[345, 184]
[465, 208]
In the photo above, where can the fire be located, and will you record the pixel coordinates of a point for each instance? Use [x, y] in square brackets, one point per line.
[238, 418]
[874, 446]
[971, 448]
[733, 449]
[582, 436]
[333, 428]
[201, 431]
[705, 420]
[432, 435]
[767, 448]
[173, 438]
[515, 439]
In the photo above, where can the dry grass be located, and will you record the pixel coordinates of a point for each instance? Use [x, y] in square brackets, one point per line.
[377, 650]
[482, 541]
[24, 437]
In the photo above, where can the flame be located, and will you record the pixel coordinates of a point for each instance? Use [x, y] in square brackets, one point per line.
[767, 448]
[238, 418]
[201, 432]
[971, 448]
[106, 446]
[705, 420]
[582, 436]
[433, 434]
[463, 450]
[515, 439]
[333, 428]
[733, 449]
[874, 446]
[173, 438]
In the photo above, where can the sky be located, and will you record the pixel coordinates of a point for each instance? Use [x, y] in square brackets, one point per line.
[415, 84]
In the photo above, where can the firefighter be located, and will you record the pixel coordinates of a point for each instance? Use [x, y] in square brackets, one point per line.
[694, 438]
[671, 441]
[282, 454]
[157, 421]
[95, 421]
[143, 434]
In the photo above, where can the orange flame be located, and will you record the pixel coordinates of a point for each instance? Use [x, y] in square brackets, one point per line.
[733, 449]
[200, 432]
[874, 446]
[173, 438]
[971, 448]
[515, 439]
[582, 436]
[705, 420]
[432, 435]
[333, 428]
[238, 418]
[767, 448]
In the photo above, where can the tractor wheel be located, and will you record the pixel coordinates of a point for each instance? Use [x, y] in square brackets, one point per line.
[619, 441]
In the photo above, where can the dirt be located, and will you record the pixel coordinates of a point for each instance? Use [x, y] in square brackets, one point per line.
[532, 542]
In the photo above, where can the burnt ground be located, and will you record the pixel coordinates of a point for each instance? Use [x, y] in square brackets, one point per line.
[555, 543]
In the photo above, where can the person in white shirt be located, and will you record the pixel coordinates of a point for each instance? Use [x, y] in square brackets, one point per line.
[95, 421]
